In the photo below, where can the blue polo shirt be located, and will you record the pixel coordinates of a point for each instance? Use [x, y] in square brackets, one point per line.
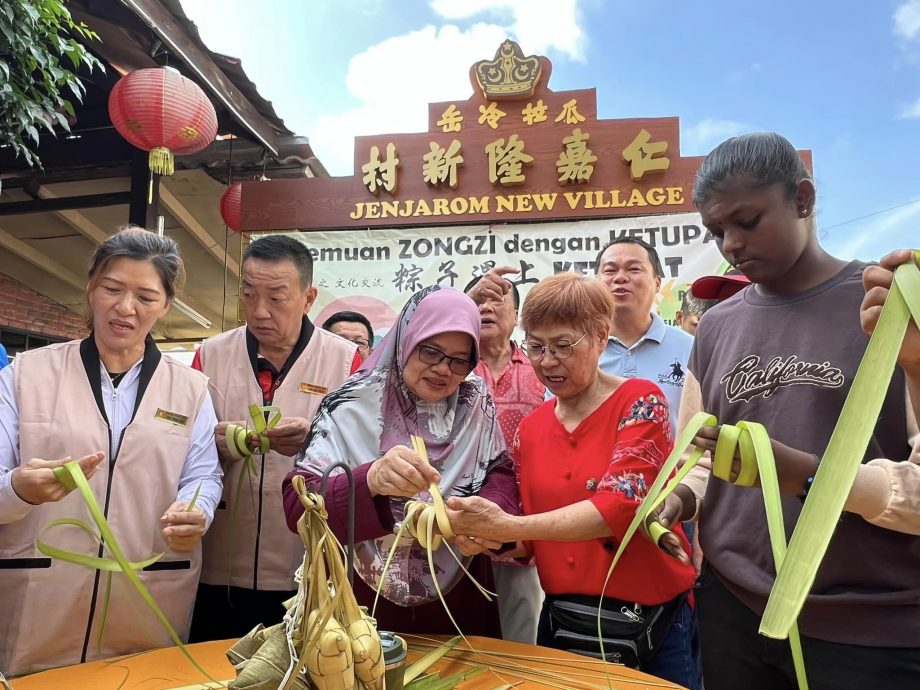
[659, 356]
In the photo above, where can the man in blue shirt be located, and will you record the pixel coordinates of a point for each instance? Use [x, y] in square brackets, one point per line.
[640, 344]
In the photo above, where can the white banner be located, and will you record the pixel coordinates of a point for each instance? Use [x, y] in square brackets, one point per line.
[374, 271]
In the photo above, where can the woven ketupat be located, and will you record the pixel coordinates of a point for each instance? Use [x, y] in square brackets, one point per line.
[326, 640]
[262, 660]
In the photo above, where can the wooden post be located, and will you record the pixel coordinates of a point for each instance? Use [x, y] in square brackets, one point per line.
[144, 207]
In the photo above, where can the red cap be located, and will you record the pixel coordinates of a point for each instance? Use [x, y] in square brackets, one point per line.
[719, 287]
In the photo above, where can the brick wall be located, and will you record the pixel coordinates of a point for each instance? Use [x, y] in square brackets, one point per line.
[24, 309]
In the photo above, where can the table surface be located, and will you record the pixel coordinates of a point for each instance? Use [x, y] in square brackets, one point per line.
[168, 669]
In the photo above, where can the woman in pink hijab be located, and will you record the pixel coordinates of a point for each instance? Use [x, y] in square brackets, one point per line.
[415, 383]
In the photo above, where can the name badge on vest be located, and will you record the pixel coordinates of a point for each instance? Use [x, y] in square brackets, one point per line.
[313, 389]
[171, 417]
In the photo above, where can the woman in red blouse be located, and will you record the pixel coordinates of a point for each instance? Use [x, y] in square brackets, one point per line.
[585, 461]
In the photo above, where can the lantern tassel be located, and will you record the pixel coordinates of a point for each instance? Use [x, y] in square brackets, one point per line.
[161, 161]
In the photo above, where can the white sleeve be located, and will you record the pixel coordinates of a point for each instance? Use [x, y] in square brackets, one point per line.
[202, 467]
[12, 507]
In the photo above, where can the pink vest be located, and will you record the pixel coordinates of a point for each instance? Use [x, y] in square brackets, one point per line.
[260, 552]
[50, 610]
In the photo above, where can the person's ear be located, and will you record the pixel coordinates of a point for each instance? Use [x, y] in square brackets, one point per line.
[805, 198]
[311, 294]
[602, 335]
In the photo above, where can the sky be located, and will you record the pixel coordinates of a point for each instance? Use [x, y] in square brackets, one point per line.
[839, 78]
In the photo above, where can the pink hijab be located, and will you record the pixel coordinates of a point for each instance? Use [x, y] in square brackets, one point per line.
[374, 411]
[428, 313]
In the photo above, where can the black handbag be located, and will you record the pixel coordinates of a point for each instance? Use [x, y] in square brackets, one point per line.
[632, 633]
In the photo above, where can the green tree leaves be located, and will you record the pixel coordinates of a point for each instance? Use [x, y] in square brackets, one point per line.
[35, 86]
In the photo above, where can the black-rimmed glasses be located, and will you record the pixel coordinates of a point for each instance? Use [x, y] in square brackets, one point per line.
[360, 342]
[560, 350]
[432, 356]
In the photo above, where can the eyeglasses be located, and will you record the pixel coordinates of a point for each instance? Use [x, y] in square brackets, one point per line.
[561, 350]
[360, 342]
[432, 356]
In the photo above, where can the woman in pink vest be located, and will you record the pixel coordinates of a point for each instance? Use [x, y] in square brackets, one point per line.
[415, 383]
[142, 428]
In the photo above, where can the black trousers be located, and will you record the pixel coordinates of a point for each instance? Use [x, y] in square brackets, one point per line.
[223, 612]
[736, 657]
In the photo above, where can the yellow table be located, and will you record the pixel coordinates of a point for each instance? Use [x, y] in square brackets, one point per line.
[168, 669]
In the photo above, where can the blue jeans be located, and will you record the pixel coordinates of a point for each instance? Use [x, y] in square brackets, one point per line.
[678, 656]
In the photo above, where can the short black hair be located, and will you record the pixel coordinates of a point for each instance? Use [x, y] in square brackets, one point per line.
[279, 248]
[515, 295]
[351, 316]
[652, 254]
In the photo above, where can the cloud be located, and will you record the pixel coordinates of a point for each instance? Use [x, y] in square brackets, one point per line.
[910, 111]
[395, 80]
[538, 25]
[907, 19]
[701, 138]
[876, 237]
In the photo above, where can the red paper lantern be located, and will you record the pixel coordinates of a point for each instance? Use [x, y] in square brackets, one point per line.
[230, 206]
[160, 111]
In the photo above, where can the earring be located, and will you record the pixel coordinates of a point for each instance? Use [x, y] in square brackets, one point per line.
[804, 213]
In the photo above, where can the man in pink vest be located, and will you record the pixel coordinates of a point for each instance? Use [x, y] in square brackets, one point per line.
[279, 358]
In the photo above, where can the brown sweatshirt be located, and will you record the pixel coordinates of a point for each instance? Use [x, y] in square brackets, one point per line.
[788, 363]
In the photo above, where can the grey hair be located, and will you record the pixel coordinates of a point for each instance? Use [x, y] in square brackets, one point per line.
[762, 159]
[694, 306]
[141, 245]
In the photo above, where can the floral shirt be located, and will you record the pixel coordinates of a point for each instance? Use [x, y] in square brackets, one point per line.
[609, 459]
[516, 392]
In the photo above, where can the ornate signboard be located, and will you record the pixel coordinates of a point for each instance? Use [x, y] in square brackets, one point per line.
[514, 151]
[444, 205]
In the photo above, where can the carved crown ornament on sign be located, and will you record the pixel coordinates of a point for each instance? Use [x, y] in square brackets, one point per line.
[513, 151]
[509, 75]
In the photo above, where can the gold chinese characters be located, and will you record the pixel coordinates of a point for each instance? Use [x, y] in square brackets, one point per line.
[534, 113]
[451, 119]
[576, 163]
[570, 114]
[440, 164]
[643, 155]
[379, 173]
[506, 161]
[491, 115]
[507, 158]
